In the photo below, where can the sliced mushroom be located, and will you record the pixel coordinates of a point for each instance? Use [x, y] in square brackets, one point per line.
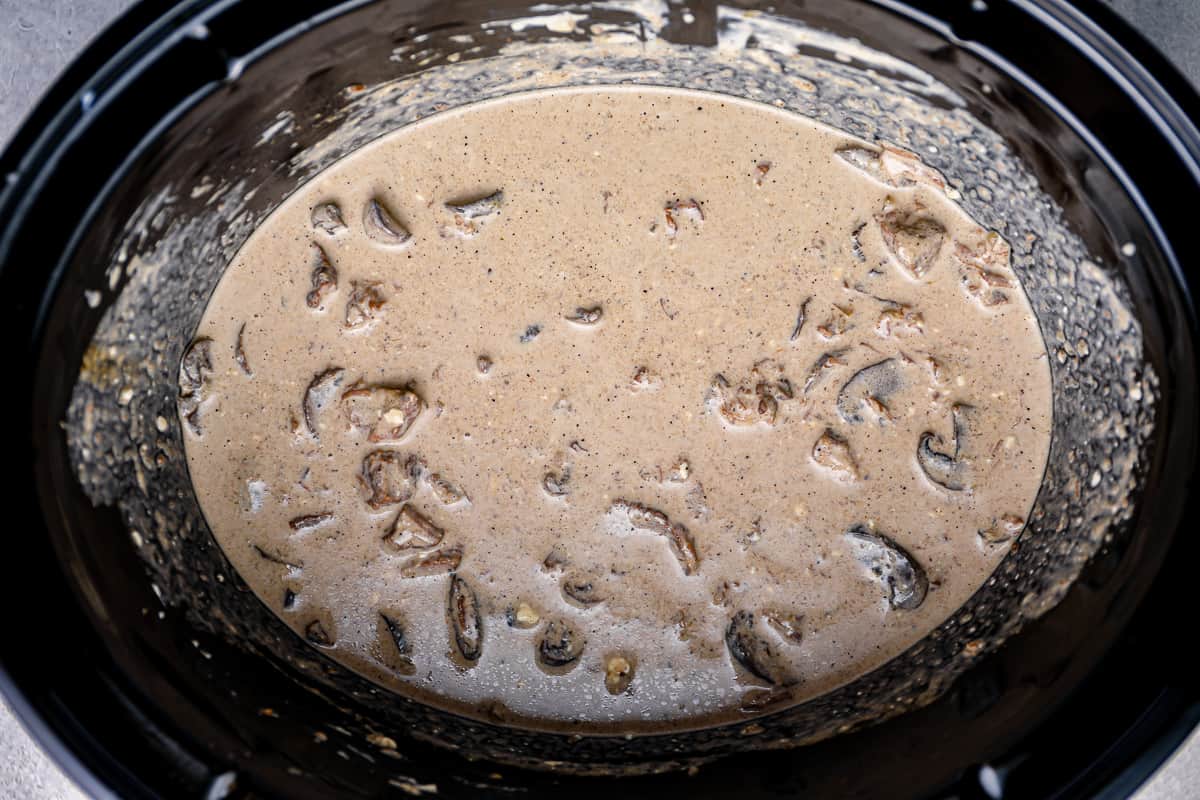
[364, 304]
[439, 562]
[327, 218]
[559, 646]
[412, 530]
[866, 159]
[856, 248]
[683, 546]
[580, 588]
[879, 381]
[1003, 529]
[833, 453]
[787, 625]
[891, 165]
[400, 659]
[385, 413]
[395, 629]
[317, 397]
[324, 278]
[195, 369]
[478, 208]
[744, 405]
[310, 521]
[897, 319]
[754, 652]
[382, 227]
[891, 565]
[757, 700]
[586, 316]
[912, 238]
[466, 623]
[446, 492]
[678, 210]
[239, 352]
[696, 501]
[470, 214]
[557, 484]
[316, 634]
[277, 559]
[387, 478]
[949, 470]
[824, 363]
[801, 318]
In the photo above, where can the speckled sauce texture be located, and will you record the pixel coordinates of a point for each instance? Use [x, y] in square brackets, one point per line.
[635, 407]
[126, 441]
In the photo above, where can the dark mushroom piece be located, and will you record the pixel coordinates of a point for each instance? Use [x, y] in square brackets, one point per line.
[316, 634]
[382, 227]
[833, 453]
[559, 646]
[327, 218]
[470, 214]
[324, 278]
[581, 588]
[386, 478]
[310, 521]
[466, 623]
[949, 470]
[651, 520]
[586, 316]
[878, 382]
[276, 559]
[678, 210]
[891, 565]
[478, 208]
[317, 397]
[385, 413]
[754, 652]
[1003, 529]
[239, 352]
[394, 627]
[556, 484]
[412, 530]
[912, 238]
[446, 492]
[824, 363]
[365, 302]
[789, 626]
[439, 562]
[195, 368]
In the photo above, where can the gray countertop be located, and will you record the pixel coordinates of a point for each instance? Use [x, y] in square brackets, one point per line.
[38, 40]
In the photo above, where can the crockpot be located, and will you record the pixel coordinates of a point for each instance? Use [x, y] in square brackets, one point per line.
[112, 657]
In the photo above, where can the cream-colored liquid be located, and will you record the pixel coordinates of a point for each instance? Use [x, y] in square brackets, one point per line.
[698, 225]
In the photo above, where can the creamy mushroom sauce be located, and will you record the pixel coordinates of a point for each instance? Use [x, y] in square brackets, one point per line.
[617, 408]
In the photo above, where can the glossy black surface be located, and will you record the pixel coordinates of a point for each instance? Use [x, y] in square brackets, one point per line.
[103, 686]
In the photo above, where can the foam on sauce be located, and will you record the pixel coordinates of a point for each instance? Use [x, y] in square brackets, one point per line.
[617, 408]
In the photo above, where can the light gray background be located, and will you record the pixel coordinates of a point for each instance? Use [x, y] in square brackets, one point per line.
[38, 40]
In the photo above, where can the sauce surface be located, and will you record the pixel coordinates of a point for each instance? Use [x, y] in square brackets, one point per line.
[617, 408]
